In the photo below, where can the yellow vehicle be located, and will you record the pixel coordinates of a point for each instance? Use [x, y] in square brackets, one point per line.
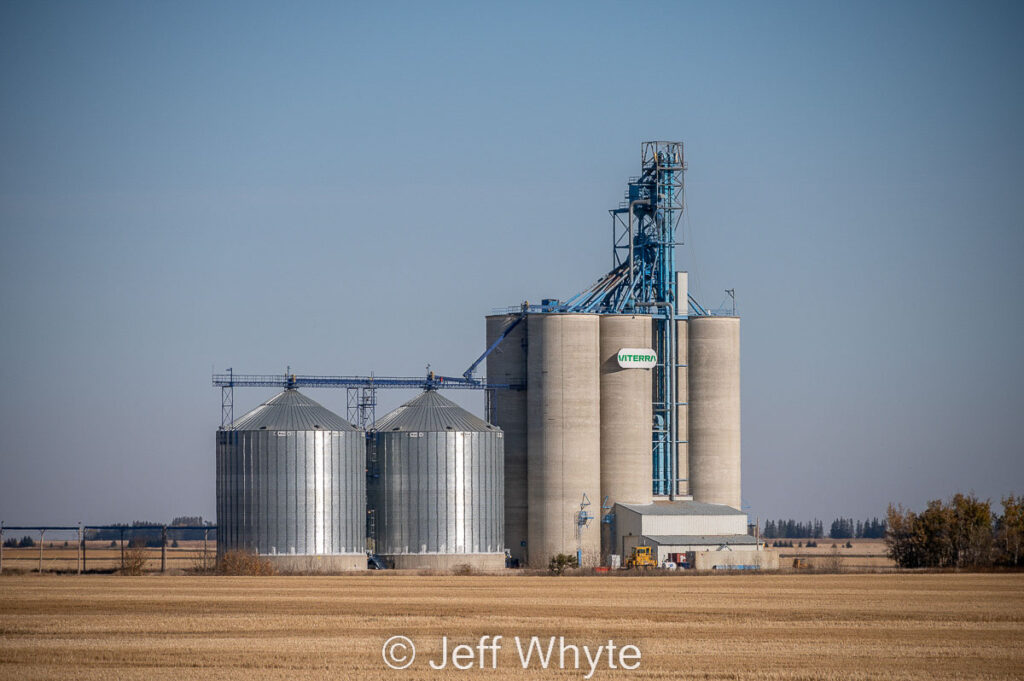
[800, 564]
[641, 558]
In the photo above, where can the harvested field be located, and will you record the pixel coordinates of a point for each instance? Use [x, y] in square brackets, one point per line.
[852, 626]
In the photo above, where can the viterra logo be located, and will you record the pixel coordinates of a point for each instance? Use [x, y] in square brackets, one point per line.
[637, 358]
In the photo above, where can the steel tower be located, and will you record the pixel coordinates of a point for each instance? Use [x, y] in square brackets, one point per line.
[643, 279]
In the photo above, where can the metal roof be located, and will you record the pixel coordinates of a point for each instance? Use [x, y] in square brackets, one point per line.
[429, 412]
[699, 539]
[291, 410]
[682, 508]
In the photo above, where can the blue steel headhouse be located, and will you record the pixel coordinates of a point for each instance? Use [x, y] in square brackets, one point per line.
[645, 232]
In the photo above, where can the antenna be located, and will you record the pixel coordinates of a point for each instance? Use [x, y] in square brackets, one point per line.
[732, 294]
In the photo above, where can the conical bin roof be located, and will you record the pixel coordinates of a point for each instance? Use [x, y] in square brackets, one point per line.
[429, 412]
[291, 410]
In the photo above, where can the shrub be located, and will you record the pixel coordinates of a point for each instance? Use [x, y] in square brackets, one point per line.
[559, 563]
[834, 561]
[243, 563]
[134, 561]
[463, 569]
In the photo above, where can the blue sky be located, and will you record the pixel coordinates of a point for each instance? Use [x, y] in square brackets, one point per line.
[349, 188]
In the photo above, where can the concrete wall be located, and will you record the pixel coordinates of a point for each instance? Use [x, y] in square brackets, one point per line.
[507, 365]
[707, 560]
[625, 417]
[488, 562]
[563, 434]
[714, 411]
[327, 564]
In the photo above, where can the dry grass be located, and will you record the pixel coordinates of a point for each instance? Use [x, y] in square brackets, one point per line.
[241, 563]
[852, 626]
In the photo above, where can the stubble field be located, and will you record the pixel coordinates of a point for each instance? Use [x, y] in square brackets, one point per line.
[856, 626]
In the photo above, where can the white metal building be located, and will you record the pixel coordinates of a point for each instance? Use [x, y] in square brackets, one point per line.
[681, 526]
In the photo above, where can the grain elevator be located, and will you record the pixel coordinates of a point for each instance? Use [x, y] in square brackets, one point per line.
[612, 423]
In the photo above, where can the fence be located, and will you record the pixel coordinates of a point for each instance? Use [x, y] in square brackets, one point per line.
[199, 553]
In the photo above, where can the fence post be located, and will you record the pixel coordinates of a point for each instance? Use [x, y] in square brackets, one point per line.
[163, 549]
[80, 541]
[122, 550]
[84, 547]
[42, 536]
[1, 547]
[206, 534]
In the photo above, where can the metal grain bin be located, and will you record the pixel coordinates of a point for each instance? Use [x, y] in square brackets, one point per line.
[291, 485]
[439, 497]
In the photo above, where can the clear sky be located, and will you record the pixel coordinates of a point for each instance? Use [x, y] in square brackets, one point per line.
[351, 187]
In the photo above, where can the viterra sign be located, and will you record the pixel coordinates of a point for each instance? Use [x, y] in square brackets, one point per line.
[637, 358]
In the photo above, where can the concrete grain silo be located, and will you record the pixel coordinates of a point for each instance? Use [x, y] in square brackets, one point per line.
[507, 366]
[625, 412]
[714, 413]
[625, 418]
[291, 485]
[439, 498]
[563, 434]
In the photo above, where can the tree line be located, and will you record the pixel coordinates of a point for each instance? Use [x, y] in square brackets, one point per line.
[841, 528]
[131, 530]
[961, 533]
